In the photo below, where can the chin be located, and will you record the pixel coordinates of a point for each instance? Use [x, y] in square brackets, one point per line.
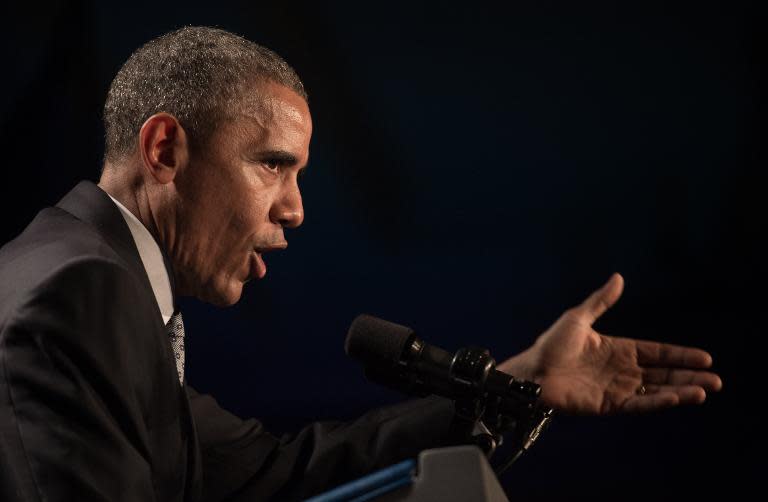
[222, 295]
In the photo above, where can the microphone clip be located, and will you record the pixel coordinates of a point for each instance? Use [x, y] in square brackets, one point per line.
[495, 405]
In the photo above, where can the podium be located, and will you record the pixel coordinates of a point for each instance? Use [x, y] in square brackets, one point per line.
[455, 474]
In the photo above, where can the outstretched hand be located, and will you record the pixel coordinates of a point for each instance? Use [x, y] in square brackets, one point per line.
[584, 372]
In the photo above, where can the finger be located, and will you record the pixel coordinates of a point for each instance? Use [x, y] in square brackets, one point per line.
[665, 354]
[602, 299]
[687, 394]
[665, 376]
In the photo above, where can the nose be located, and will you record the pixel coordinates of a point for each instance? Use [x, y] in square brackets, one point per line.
[288, 210]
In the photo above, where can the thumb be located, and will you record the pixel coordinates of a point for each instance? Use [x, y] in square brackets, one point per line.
[602, 299]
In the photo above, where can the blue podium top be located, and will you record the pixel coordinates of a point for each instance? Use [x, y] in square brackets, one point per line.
[372, 485]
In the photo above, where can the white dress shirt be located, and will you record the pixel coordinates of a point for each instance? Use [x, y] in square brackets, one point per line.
[152, 258]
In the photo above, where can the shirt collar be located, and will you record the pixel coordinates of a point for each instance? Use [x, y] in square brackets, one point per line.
[152, 258]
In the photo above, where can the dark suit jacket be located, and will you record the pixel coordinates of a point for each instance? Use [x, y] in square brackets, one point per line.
[90, 403]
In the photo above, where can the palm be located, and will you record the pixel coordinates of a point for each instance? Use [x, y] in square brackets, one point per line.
[583, 372]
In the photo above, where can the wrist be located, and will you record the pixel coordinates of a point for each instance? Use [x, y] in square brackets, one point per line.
[522, 366]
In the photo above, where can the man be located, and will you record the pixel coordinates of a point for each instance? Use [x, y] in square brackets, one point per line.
[206, 134]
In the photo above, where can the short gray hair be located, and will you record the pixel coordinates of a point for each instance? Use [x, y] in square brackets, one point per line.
[197, 74]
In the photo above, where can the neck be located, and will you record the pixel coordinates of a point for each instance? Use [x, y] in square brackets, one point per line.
[124, 182]
[125, 185]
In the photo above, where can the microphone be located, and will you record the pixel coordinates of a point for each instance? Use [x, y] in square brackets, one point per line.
[486, 400]
[392, 355]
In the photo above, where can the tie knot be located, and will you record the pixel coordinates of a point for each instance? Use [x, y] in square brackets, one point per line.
[175, 324]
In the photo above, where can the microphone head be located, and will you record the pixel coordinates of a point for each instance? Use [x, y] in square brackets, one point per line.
[374, 341]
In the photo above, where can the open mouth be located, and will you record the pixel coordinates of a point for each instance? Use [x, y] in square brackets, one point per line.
[258, 267]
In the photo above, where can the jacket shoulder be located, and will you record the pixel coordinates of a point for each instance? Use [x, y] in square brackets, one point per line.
[54, 244]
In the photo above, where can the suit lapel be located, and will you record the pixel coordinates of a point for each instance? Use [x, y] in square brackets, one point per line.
[194, 488]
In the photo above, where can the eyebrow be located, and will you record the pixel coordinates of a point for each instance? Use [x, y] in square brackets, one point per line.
[279, 156]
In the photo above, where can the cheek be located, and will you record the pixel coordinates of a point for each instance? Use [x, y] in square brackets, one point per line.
[247, 219]
[253, 219]
[238, 202]
[255, 198]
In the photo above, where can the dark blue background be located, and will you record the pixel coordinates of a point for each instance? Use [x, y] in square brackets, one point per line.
[475, 170]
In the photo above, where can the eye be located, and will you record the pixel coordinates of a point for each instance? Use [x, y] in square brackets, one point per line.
[271, 165]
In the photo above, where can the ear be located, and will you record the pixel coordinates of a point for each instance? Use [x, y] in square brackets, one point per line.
[163, 147]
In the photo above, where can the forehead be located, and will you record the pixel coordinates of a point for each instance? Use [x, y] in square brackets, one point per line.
[274, 114]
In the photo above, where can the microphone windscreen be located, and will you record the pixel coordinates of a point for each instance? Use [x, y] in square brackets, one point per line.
[375, 341]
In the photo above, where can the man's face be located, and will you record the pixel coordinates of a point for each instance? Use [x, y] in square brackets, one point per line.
[238, 194]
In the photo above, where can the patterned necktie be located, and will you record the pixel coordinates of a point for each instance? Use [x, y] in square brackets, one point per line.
[175, 329]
